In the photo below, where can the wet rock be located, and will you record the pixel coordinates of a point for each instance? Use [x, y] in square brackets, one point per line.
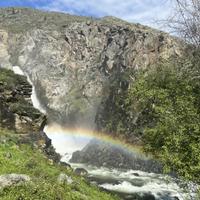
[148, 197]
[40, 140]
[81, 171]
[9, 180]
[65, 165]
[102, 180]
[137, 182]
[136, 174]
[100, 154]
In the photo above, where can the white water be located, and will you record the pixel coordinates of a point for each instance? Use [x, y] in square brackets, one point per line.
[34, 98]
[161, 186]
[17, 70]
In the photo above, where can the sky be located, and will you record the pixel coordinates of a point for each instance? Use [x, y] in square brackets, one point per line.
[146, 12]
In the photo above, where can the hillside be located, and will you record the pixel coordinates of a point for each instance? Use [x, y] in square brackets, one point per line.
[30, 168]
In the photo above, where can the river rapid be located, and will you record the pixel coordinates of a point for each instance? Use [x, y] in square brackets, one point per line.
[128, 184]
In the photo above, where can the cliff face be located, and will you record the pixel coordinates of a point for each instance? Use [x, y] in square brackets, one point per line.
[18, 114]
[16, 110]
[73, 60]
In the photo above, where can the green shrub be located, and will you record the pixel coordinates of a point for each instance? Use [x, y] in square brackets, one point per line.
[168, 101]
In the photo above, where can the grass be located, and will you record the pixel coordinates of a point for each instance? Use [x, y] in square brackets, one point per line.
[26, 159]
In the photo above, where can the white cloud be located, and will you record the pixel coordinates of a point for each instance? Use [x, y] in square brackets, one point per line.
[141, 11]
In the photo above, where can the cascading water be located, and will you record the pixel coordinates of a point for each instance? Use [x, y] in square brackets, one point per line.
[65, 145]
[35, 101]
[129, 184]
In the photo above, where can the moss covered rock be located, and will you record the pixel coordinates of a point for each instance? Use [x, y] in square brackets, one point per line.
[16, 109]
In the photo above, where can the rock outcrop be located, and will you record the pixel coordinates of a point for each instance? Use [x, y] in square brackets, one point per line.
[73, 60]
[9, 180]
[81, 171]
[18, 114]
[103, 154]
[16, 109]
[64, 179]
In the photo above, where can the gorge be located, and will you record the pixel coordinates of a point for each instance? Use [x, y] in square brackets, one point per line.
[78, 67]
[139, 177]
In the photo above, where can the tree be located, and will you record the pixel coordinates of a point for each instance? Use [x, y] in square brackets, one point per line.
[169, 103]
[186, 20]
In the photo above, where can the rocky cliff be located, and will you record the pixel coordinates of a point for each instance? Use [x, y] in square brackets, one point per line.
[73, 61]
[18, 114]
[16, 109]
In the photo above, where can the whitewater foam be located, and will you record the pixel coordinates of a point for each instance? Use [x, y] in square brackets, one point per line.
[17, 70]
[155, 184]
[34, 98]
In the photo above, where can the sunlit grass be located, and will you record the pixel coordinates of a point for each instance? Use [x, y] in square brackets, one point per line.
[26, 159]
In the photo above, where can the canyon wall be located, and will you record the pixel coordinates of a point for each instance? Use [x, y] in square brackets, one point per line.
[73, 61]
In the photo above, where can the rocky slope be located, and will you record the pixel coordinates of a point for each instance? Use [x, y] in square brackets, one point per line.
[73, 61]
[16, 108]
[18, 114]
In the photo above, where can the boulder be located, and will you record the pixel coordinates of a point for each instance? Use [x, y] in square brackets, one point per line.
[41, 141]
[9, 180]
[101, 154]
[64, 179]
[81, 171]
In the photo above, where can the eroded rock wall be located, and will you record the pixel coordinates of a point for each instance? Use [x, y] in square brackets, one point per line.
[73, 60]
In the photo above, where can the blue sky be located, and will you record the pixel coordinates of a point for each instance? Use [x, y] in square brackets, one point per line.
[141, 11]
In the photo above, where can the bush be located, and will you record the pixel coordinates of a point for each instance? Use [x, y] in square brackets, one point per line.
[168, 102]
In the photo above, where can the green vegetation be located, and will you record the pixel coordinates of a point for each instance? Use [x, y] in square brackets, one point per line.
[9, 80]
[169, 101]
[26, 159]
[14, 92]
[161, 111]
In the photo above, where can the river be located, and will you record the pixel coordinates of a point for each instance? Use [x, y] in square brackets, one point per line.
[128, 184]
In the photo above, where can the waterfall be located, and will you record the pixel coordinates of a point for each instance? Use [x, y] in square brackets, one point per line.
[34, 98]
[64, 144]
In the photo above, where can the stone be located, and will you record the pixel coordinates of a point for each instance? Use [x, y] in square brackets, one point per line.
[9, 180]
[16, 111]
[8, 155]
[101, 154]
[64, 179]
[81, 171]
[64, 164]
[40, 140]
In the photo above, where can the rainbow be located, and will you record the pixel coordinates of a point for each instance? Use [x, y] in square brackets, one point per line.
[91, 134]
